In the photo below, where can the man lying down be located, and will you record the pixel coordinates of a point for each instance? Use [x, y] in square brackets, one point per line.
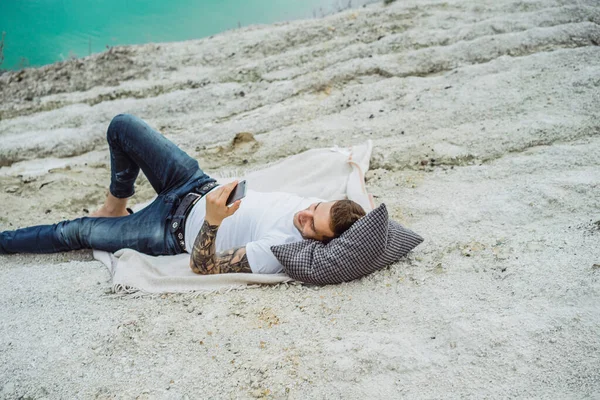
[190, 213]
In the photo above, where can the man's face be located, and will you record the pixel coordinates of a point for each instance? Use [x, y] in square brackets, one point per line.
[313, 222]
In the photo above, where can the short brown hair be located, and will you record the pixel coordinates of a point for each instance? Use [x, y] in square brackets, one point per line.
[344, 213]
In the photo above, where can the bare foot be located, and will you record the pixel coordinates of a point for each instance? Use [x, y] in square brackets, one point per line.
[103, 212]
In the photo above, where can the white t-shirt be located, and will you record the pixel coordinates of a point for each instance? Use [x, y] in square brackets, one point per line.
[263, 220]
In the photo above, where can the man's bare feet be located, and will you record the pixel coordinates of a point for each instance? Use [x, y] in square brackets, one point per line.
[112, 207]
[104, 212]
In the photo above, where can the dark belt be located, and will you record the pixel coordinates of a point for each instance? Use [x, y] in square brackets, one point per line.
[178, 222]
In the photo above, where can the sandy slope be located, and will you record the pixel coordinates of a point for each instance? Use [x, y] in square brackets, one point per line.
[485, 121]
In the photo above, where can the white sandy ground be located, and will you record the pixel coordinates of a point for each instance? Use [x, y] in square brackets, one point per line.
[485, 121]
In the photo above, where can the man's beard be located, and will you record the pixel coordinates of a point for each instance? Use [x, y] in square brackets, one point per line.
[295, 226]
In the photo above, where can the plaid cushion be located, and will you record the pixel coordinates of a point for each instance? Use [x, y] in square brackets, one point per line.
[373, 242]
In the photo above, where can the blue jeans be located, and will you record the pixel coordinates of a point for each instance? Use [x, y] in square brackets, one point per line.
[171, 172]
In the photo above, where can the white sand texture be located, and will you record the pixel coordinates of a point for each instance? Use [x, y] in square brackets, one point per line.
[485, 120]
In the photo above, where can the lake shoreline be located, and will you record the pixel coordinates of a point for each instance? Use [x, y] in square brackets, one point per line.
[74, 34]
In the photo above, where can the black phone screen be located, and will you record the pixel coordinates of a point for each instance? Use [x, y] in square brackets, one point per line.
[238, 193]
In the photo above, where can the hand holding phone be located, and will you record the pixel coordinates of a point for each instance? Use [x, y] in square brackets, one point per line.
[224, 202]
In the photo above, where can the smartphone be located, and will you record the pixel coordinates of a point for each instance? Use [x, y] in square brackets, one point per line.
[238, 193]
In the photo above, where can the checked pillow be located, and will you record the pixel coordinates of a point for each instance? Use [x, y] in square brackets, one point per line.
[373, 242]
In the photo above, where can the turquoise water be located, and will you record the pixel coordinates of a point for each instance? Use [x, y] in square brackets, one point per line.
[41, 32]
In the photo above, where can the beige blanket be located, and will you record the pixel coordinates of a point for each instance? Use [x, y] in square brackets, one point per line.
[331, 173]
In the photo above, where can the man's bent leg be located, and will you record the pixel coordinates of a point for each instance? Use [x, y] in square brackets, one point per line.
[134, 145]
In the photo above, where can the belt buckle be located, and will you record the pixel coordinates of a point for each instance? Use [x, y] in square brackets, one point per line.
[196, 195]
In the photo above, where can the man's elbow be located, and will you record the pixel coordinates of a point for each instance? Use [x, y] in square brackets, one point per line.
[195, 268]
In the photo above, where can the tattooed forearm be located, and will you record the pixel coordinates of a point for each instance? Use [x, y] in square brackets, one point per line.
[205, 261]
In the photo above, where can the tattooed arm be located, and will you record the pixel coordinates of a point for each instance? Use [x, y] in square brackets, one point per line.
[205, 261]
